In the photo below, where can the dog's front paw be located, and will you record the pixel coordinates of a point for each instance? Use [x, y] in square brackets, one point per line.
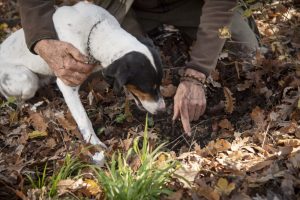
[95, 141]
[99, 158]
[90, 137]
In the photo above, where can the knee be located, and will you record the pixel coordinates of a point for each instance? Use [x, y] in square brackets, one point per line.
[23, 85]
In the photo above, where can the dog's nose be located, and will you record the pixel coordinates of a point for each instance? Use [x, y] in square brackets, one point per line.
[161, 105]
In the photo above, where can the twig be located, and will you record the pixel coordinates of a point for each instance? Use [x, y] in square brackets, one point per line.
[265, 135]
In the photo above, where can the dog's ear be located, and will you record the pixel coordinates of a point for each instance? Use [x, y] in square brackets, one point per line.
[155, 53]
[117, 74]
[146, 41]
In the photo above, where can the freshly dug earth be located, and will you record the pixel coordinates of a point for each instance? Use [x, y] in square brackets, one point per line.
[247, 142]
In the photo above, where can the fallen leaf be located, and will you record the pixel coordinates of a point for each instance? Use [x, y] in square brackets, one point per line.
[261, 165]
[168, 90]
[37, 134]
[241, 196]
[229, 100]
[224, 33]
[226, 124]
[244, 86]
[295, 160]
[204, 190]
[222, 145]
[176, 195]
[38, 121]
[258, 117]
[238, 143]
[127, 143]
[51, 143]
[190, 163]
[224, 187]
[65, 123]
[290, 142]
[68, 185]
[92, 187]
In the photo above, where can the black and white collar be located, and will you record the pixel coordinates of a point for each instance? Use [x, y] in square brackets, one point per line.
[91, 59]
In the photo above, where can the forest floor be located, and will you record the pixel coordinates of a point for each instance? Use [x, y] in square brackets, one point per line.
[246, 146]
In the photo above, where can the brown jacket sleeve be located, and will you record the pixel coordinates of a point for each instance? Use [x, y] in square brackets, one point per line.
[36, 19]
[205, 52]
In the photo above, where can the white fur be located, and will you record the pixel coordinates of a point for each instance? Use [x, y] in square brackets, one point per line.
[109, 42]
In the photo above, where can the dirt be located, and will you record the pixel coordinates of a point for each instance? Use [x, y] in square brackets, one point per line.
[256, 92]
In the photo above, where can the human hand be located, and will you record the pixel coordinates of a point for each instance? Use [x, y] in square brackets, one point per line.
[189, 100]
[65, 60]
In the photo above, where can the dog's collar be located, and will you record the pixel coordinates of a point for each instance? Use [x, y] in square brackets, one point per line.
[91, 58]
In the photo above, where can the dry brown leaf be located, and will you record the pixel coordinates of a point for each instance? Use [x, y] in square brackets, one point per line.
[51, 143]
[297, 133]
[67, 185]
[214, 147]
[224, 33]
[257, 115]
[65, 123]
[222, 145]
[92, 187]
[244, 86]
[37, 134]
[241, 196]
[224, 187]
[226, 124]
[205, 191]
[290, 142]
[295, 160]
[289, 129]
[198, 149]
[13, 117]
[38, 121]
[229, 100]
[260, 165]
[238, 143]
[191, 163]
[176, 195]
[168, 90]
[127, 143]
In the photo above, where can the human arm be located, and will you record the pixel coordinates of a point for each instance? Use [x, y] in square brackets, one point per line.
[64, 59]
[190, 98]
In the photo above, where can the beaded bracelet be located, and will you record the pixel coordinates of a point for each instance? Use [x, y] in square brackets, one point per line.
[194, 80]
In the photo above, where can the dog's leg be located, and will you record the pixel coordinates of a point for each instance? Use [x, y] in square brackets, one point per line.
[72, 99]
[17, 81]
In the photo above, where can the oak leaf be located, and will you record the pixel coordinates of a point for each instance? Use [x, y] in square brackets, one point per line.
[224, 187]
[229, 100]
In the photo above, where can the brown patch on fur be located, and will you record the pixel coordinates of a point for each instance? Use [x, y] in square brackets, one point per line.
[139, 94]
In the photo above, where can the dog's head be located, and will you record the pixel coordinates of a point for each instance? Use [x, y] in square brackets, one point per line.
[141, 79]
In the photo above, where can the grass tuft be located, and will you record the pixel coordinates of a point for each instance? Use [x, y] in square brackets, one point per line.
[72, 167]
[123, 182]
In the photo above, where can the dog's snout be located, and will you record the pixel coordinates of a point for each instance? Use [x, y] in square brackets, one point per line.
[161, 105]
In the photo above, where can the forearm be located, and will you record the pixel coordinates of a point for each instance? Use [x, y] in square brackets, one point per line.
[204, 54]
[36, 19]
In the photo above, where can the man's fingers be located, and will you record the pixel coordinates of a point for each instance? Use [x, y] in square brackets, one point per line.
[75, 53]
[82, 68]
[71, 64]
[203, 107]
[185, 118]
[73, 78]
[192, 108]
[176, 111]
[198, 111]
[68, 82]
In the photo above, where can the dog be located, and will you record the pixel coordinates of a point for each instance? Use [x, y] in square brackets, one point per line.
[128, 62]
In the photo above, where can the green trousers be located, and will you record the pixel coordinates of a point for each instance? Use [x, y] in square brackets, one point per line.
[185, 16]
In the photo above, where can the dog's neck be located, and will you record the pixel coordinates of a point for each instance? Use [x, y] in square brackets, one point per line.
[108, 43]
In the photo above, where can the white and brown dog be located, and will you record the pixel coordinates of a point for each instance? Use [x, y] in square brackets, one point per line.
[125, 60]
